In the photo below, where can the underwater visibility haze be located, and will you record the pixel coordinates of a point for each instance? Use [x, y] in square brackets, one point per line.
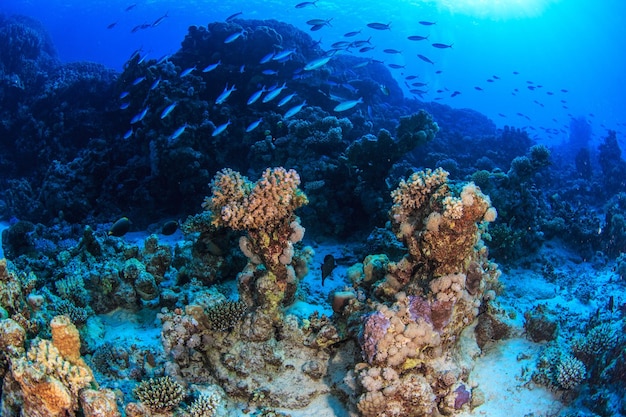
[296, 208]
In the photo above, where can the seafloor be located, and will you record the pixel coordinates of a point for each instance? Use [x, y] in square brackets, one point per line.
[174, 247]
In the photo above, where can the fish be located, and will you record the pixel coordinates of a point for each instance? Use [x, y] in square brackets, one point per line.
[274, 93]
[131, 7]
[417, 38]
[347, 105]
[564, 90]
[305, 4]
[396, 66]
[478, 88]
[267, 58]
[611, 304]
[220, 128]
[455, 93]
[384, 89]
[225, 94]
[351, 34]
[124, 94]
[253, 125]
[128, 133]
[211, 67]
[232, 16]
[316, 27]
[283, 54]
[379, 26]
[155, 84]
[111, 25]
[286, 99]
[269, 72]
[234, 36]
[319, 22]
[419, 84]
[124, 105]
[169, 228]
[168, 110]
[391, 51]
[442, 45]
[120, 227]
[178, 132]
[366, 49]
[159, 20]
[425, 59]
[361, 64]
[411, 77]
[187, 71]
[139, 116]
[295, 109]
[340, 44]
[358, 44]
[327, 267]
[138, 80]
[256, 95]
[426, 23]
[316, 63]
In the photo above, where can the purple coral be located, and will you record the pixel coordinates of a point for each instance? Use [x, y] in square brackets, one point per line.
[374, 329]
[419, 307]
[462, 397]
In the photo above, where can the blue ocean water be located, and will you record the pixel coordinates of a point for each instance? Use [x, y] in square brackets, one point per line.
[554, 45]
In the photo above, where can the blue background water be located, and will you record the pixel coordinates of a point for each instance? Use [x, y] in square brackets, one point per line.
[576, 45]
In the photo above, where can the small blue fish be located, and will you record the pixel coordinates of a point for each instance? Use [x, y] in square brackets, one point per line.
[155, 84]
[286, 99]
[234, 36]
[295, 109]
[211, 67]
[178, 132]
[124, 94]
[139, 116]
[425, 59]
[128, 134]
[267, 58]
[225, 94]
[220, 128]
[254, 97]
[168, 110]
[253, 125]
[138, 80]
[269, 72]
[274, 93]
[233, 16]
[347, 105]
[242, 69]
[283, 54]
[305, 4]
[316, 63]
[187, 71]
[124, 106]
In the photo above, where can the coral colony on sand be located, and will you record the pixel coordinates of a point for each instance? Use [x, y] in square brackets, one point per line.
[204, 317]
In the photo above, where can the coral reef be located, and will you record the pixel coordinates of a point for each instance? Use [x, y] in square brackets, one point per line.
[160, 394]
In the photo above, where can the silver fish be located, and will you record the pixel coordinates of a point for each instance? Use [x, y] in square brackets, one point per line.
[225, 94]
[178, 132]
[295, 109]
[211, 67]
[347, 105]
[254, 97]
[286, 99]
[274, 93]
[187, 71]
[139, 116]
[253, 125]
[220, 128]
[234, 36]
[168, 110]
[316, 63]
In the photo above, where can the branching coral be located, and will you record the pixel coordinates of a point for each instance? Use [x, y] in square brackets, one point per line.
[160, 394]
